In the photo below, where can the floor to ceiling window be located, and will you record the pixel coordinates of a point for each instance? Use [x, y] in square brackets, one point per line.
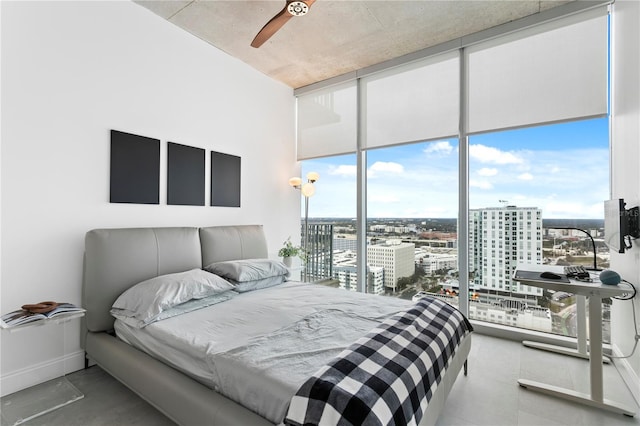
[439, 147]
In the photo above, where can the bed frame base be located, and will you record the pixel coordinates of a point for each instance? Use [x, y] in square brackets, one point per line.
[176, 395]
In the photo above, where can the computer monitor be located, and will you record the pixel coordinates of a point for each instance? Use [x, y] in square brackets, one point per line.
[620, 225]
[614, 224]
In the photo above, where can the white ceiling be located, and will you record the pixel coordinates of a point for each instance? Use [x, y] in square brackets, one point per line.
[337, 36]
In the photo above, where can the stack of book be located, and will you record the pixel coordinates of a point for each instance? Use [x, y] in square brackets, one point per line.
[22, 316]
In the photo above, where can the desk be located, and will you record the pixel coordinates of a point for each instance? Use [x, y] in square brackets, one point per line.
[581, 318]
[595, 292]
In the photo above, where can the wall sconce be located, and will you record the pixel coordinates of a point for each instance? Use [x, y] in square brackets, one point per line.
[307, 189]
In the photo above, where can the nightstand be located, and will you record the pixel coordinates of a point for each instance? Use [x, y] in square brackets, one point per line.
[40, 399]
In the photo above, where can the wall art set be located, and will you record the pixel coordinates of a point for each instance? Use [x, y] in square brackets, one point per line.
[135, 173]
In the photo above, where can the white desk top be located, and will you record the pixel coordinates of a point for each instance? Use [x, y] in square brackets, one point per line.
[595, 288]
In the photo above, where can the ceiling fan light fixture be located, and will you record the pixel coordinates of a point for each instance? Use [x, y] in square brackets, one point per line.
[297, 8]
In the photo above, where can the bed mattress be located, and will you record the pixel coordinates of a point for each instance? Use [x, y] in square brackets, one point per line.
[259, 347]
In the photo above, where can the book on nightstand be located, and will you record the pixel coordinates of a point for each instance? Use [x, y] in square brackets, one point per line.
[20, 317]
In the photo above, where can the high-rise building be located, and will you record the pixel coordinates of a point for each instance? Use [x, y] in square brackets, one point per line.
[397, 259]
[348, 278]
[345, 243]
[319, 259]
[499, 239]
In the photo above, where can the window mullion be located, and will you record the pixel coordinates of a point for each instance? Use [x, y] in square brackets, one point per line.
[361, 189]
[463, 191]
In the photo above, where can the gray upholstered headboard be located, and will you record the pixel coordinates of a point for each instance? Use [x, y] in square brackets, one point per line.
[116, 259]
[220, 243]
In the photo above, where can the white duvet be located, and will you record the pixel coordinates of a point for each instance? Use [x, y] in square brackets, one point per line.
[259, 347]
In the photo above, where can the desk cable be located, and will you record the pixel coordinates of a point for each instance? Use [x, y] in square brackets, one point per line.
[636, 337]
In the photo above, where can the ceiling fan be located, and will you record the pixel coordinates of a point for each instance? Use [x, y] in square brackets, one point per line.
[291, 9]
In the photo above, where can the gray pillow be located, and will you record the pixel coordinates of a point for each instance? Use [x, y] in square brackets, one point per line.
[183, 308]
[248, 269]
[143, 302]
[244, 286]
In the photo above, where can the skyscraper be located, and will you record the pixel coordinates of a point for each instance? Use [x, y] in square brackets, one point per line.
[499, 239]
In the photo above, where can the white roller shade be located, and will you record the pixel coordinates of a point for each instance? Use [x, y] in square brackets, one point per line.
[552, 72]
[327, 122]
[415, 102]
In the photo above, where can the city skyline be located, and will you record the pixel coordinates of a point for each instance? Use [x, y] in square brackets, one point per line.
[562, 169]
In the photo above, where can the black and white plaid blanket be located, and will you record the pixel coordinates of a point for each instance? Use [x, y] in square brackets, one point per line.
[386, 377]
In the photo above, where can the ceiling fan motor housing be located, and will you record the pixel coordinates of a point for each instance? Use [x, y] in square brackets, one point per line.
[297, 8]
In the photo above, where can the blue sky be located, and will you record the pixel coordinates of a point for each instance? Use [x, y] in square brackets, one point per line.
[562, 169]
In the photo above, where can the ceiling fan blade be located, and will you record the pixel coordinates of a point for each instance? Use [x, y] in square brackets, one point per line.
[271, 27]
[279, 20]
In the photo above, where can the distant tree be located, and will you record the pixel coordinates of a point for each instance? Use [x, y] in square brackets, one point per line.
[543, 301]
[403, 283]
[434, 289]
[441, 272]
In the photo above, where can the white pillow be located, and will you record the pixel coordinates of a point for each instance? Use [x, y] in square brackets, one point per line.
[248, 269]
[145, 301]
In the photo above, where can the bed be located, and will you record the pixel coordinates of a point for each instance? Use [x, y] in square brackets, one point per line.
[176, 380]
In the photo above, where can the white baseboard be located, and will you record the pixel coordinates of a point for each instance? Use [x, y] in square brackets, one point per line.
[40, 373]
[628, 374]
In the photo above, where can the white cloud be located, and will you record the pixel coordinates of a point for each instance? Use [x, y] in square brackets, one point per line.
[525, 176]
[481, 184]
[385, 167]
[487, 154]
[562, 209]
[486, 171]
[343, 170]
[440, 147]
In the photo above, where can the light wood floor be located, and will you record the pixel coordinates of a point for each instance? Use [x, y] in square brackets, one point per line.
[489, 395]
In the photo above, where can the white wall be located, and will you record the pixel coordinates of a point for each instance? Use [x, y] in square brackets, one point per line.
[625, 166]
[71, 71]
